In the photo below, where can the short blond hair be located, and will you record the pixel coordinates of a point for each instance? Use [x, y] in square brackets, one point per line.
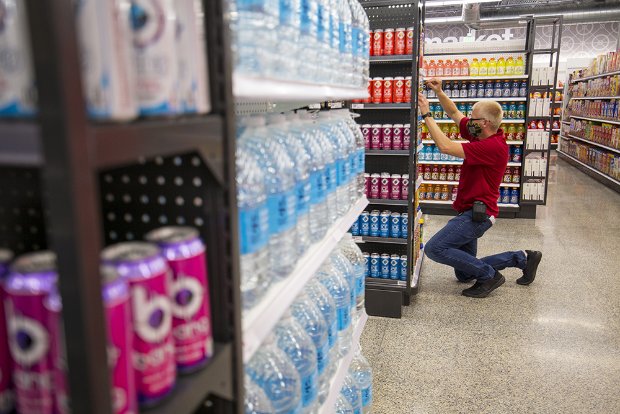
[491, 111]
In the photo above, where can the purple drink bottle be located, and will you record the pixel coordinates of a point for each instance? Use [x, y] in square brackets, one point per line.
[30, 335]
[6, 389]
[191, 310]
[115, 292]
[148, 275]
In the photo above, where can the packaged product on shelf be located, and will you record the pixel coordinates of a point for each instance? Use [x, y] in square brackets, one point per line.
[394, 267]
[108, 62]
[385, 186]
[388, 42]
[408, 89]
[385, 266]
[377, 44]
[17, 82]
[397, 136]
[375, 136]
[191, 310]
[192, 58]
[400, 44]
[6, 389]
[399, 89]
[146, 271]
[409, 42]
[377, 90]
[364, 220]
[375, 185]
[29, 318]
[388, 90]
[154, 41]
[406, 136]
[395, 225]
[404, 193]
[386, 136]
[375, 265]
[404, 225]
[366, 132]
[395, 186]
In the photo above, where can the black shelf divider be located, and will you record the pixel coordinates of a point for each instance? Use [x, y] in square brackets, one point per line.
[387, 202]
[388, 152]
[390, 240]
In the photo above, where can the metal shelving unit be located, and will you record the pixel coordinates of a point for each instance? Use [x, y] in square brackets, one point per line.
[387, 300]
[66, 168]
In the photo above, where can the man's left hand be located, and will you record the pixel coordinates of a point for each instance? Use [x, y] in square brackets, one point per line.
[423, 104]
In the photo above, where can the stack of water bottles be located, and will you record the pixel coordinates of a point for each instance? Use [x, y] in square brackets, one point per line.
[292, 370]
[296, 175]
[315, 41]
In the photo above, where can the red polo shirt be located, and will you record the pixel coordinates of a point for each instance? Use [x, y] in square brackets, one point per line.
[482, 171]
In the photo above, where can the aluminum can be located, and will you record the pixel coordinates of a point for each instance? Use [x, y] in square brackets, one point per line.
[400, 41]
[406, 136]
[377, 90]
[385, 186]
[355, 228]
[388, 42]
[364, 223]
[375, 136]
[397, 136]
[407, 89]
[375, 265]
[403, 267]
[399, 90]
[366, 132]
[395, 226]
[409, 41]
[388, 90]
[395, 186]
[375, 185]
[374, 223]
[367, 184]
[404, 225]
[385, 266]
[395, 267]
[6, 389]
[384, 224]
[377, 43]
[386, 136]
[366, 264]
[404, 192]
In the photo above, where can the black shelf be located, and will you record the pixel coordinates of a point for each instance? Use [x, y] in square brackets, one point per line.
[389, 240]
[377, 282]
[385, 3]
[20, 144]
[388, 152]
[406, 105]
[387, 202]
[391, 59]
[475, 53]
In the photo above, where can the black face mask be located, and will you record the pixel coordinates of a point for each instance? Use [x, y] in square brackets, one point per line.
[474, 129]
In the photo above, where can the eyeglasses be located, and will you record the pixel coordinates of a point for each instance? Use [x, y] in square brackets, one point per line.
[478, 119]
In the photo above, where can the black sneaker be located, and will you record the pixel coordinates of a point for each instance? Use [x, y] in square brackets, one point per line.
[482, 289]
[529, 273]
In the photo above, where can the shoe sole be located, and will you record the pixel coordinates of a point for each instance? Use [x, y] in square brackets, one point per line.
[536, 261]
[485, 294]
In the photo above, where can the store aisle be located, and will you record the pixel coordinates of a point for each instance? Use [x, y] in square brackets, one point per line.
[551, 347]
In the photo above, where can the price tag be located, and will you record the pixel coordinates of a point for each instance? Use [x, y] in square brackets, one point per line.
[357, 106]
[358, 239]
[314, 106]
[335, 105]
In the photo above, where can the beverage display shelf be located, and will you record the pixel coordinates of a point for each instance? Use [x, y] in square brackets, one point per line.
[596, 144]
[607, 121]
[594, 97]
[494, 77]
[388, 202]
[502, 206]
[476, 52]
[505, 121]
[591, 171]
[248, 88]
[406, 105]
[430, 141]
[566, 122]
[602, 75]
[259, 321]
[372, 239]
[388, 152]
[424, 162]
[343, 367]
[391, 59]
[439, 182]
[385, 283]
[418, 269]
[516, 99]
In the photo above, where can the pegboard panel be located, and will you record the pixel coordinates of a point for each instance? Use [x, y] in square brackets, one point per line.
[22, 219]
[393, 16]
[392, 116]
[388, 163]
[383, 248]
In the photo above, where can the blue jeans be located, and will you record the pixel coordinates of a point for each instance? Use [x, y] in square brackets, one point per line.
[456, 245]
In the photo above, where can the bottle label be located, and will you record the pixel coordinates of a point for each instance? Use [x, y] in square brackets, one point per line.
[355, 37]
[308, 389]
[317, 187]
[331, 175]
[359, 285]
[282, 211]
[340, 172]
[303, 196]
[321, 20]
[332, 334]
[253, 228]
[366, 396]
[306, 24]
[344, 317]
[322, 357]
[361, 156]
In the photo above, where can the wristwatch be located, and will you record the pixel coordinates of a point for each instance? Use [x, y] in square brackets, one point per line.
[426, 115]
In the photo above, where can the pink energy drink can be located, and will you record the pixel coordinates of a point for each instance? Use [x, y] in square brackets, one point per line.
[385, 185]
[395, 184]
[191, 309]
[404, 191]
[375, 137]
[31, 329]
[386, 136]
[53, 304]
[366, 132]
[397, 136]
[375, 185]
[148, 275]
[116, 301]
[6, 389]
[367, 184]
[406, 136]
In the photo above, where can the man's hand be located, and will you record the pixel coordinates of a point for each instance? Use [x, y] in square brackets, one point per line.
[434, 84]
[423, 104]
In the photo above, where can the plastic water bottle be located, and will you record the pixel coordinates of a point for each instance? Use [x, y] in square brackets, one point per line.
[336, 77]
[352, 394]
[303, 131]
[361, 372]
[256, 401]
[339, 144]
[346, 53]
[279, 176]
[359, 151]
[308, 53]
[342, 264]
[284, 135]
[255, 38]
[274, 372]
[310, 318]
[358, 38]
[343, 406]
[356, 158]
[298, 346]
[366, 50]
[287, 64]
[354, 255]
[253, 226]
[326, 305]
[338, 288]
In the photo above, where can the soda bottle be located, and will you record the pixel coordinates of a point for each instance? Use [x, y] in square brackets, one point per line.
[519, 66]
[501, 66]
[470, 109]
[455, 190]
[456, 68]
[489, 89]
[457, 173]
[361, 372]
[510, 66]
[520, 132]
[506, 91]
[514, 196]
[507, 175]
[514, 90]
[454, 132]
[456, 90]
[521, 110]
[523, 90]
[483, 69]
[432, 69]
[464, 89]
[474, 68]
[464, 67]
[511, 132]
[436, 153]
[445, 195]
[499, 89]
[472, 92]
[450, 173]
[437, 192]
[480, 89]
[435, 173]
[427, 172]
[448, 89]
[443, 173]
[492, 67]
[447, 70]
[422, 191]
[440, 68]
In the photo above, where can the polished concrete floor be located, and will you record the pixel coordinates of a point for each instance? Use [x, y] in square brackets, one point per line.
[551, 347]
